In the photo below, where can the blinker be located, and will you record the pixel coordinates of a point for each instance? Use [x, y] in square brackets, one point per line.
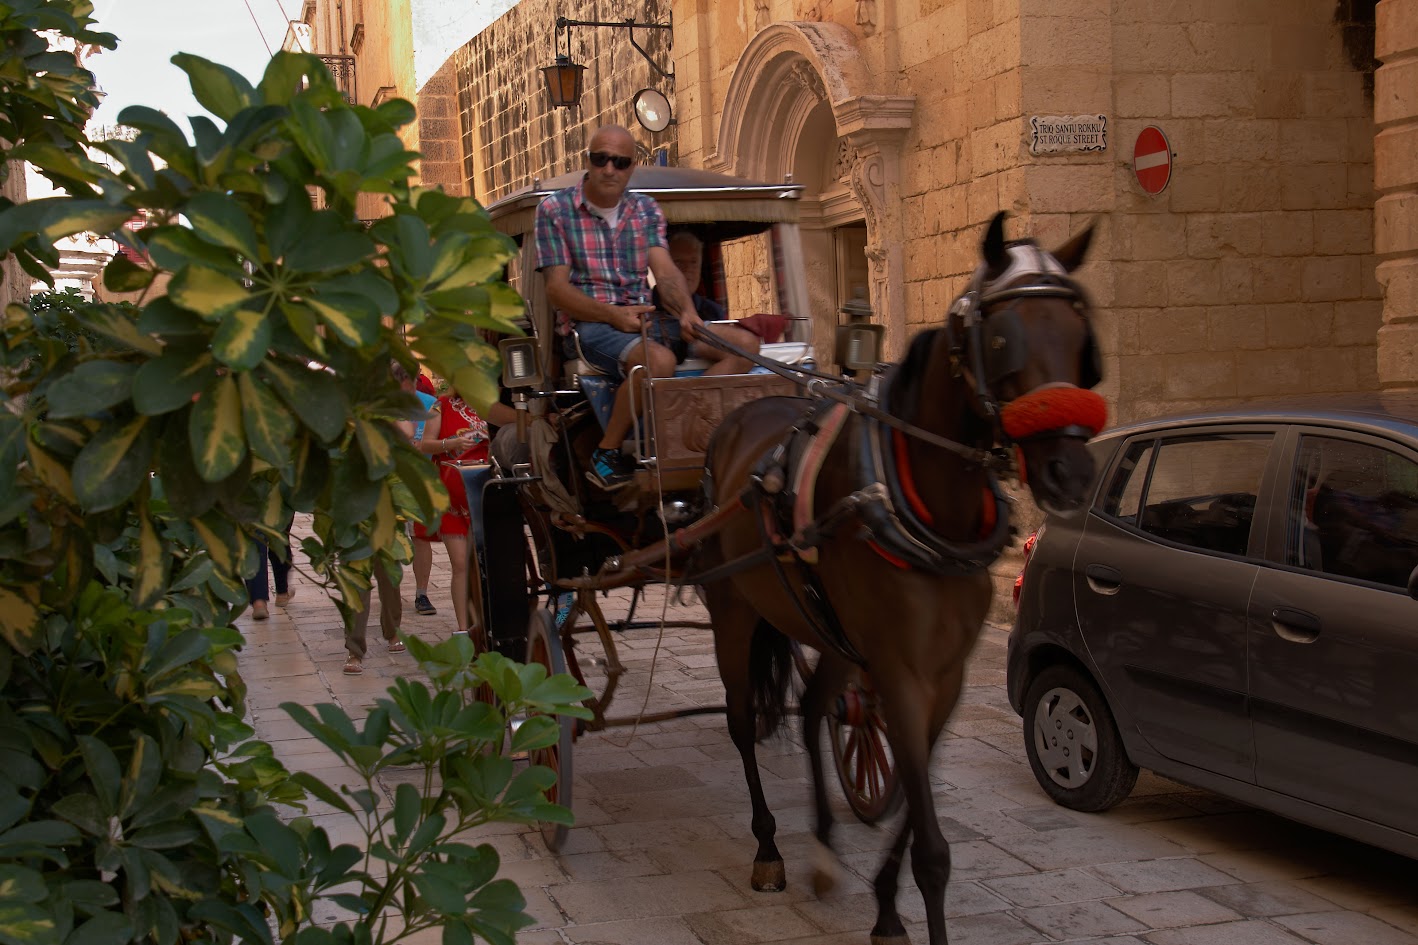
[1005, 349]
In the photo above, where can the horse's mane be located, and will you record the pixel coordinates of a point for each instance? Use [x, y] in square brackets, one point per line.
[904, 389]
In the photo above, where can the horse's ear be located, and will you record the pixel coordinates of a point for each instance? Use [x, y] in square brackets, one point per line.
[1071, 254]
[996, 256]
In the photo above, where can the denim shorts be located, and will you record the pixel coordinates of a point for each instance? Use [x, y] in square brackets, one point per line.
[605, 347]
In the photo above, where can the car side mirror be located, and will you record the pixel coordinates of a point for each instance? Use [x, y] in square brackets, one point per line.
[1413, 584]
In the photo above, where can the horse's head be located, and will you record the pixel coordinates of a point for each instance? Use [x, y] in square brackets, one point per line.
[1021, 337]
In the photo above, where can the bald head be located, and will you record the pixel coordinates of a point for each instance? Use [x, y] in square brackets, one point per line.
[606, 183]
[608, 135]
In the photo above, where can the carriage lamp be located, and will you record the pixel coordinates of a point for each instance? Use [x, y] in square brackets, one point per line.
[520, 364]
[564, 76]
[859, 346]
[858, 342]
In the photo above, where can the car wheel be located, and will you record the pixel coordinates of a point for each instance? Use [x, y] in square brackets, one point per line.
[1073, 743]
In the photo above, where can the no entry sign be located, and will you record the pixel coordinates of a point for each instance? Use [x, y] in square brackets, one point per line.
[1152, 160]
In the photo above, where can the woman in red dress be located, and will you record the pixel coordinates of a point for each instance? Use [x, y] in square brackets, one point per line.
[454, 433]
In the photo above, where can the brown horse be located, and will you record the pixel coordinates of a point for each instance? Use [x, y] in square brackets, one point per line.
[906, 526]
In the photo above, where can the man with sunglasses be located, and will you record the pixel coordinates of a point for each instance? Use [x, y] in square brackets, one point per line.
[596, 242]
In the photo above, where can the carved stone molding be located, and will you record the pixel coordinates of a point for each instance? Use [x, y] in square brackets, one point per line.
[866, 16]
[808, 80]
[842, 164]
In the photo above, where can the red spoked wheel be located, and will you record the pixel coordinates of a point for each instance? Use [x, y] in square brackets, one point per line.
[544, 647]
[862, 756]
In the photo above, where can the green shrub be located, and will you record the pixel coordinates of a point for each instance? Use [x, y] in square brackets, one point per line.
[146, 448]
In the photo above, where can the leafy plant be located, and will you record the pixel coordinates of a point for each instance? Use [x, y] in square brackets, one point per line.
[145, 448]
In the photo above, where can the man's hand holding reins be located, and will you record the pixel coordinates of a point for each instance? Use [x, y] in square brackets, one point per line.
[628, 317]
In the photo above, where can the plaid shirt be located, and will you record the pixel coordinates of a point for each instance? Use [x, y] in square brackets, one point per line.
[609, 266]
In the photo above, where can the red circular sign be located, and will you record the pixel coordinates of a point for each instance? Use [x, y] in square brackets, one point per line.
[1152, 160]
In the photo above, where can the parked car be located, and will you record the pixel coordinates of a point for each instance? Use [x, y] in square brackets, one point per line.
[1236, 610]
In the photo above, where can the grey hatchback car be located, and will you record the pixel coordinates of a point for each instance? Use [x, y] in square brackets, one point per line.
[1236, 611]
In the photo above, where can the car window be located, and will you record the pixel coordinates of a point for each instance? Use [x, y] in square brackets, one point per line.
[1198, 491]
[1353, 511]
[1123, 498]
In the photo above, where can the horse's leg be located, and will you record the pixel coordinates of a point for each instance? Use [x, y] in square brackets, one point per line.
[912, 733]
[735, 626]
[826, 681]
[888, 929]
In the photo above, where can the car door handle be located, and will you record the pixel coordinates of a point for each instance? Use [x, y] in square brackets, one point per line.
[1103, 579]
[1297, 626]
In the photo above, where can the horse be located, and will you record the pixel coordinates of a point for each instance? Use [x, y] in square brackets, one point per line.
[891, 579]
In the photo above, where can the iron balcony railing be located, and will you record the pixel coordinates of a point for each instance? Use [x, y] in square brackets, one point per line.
[343, 69]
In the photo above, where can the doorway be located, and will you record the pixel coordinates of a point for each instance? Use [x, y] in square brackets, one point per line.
[849, 246]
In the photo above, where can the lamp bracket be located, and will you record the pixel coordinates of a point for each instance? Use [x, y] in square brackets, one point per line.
[629, 25]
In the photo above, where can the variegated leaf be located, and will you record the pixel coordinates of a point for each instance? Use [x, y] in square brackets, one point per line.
[353, 321]
[19, 616]
[152, 566]
[242, 339]
[268, 422]
[207, 292]
[219, 219]
[215, 431]
[112, 465]
[386, 520]
[378, 449]
[217, 539]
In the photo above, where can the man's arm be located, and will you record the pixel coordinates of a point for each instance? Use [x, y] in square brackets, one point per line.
[580, 306]
[674, 294]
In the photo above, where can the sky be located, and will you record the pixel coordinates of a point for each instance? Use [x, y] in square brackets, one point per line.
[230, 32]
[149, 32]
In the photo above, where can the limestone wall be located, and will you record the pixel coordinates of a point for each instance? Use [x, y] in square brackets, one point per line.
[1396, 177]
[1253, 274]
[510, 134]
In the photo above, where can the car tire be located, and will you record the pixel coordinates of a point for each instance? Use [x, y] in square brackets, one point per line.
[1072, 741]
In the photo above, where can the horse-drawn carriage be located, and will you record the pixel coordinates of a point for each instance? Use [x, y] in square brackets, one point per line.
[541, 605]
[857, 521]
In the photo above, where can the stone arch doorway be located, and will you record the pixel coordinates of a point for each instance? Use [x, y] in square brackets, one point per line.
[801, 102]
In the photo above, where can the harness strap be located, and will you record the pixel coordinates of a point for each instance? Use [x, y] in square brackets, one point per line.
[818, 614]
[809, 466]
[813, 384]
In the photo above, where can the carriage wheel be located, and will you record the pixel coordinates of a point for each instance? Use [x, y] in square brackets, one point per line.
[506, 598]
[862, 756]
[544, 647]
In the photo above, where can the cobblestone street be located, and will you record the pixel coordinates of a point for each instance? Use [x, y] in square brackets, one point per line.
[661, 851]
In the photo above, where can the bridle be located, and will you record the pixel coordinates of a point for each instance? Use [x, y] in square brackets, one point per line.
[987, 345]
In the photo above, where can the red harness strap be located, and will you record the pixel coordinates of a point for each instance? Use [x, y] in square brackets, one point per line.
[989, 513]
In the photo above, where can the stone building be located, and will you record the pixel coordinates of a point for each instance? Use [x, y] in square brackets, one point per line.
[1281, 257]
[384, 49]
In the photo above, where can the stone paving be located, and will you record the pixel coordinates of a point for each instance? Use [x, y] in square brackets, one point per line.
[661, 851]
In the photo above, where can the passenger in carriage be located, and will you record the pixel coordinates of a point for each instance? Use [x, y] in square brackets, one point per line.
[687, 251]
[595, 245]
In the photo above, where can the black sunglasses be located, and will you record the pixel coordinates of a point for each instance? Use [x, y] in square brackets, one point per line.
[601, 158]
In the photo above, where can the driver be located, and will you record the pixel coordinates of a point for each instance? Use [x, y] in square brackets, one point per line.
[595, 243]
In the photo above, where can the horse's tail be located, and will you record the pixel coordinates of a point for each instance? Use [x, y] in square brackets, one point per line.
[770, 667]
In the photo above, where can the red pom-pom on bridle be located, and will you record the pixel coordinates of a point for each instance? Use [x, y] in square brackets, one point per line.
[1050, 408]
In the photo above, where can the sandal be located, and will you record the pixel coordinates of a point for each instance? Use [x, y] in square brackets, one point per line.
[354, 666]
[396, 646]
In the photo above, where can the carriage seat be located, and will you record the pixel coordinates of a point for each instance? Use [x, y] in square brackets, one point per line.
[599, 388]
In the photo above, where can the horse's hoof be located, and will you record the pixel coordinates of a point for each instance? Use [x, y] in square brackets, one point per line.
[769, 876]
[826, 870]
[902, 939]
